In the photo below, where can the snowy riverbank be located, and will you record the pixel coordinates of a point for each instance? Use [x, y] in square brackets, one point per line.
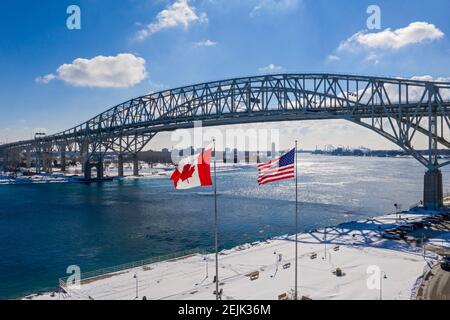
[356, 248]
[74, 174]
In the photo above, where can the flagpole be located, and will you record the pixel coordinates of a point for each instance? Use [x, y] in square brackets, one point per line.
[296, 222]
[215, 223]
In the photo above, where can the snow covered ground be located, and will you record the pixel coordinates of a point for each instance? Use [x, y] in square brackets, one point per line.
[356, 248]
[37, 179]
[74, 174]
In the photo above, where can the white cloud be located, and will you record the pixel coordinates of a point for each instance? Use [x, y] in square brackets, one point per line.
[121, 71]
[415, 92]
[445, 93]
[157, 87]
[271, 68]
[180, 13]
[45, 79]
[373, 57]
[273, 5]
[205, 43]
[333, 58]
[414, 33]
[431, 79]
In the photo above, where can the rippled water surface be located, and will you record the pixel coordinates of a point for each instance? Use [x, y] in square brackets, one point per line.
[45, 228]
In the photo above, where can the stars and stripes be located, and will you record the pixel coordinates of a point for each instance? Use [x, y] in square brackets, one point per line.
[282, 168]
[194, 171]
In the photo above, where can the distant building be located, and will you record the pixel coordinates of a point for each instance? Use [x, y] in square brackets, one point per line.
[247, 156]
[155, 156]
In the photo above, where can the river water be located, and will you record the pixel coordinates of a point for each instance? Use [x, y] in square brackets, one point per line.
[46, 228]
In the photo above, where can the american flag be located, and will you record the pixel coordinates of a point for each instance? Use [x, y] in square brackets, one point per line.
[281, 168]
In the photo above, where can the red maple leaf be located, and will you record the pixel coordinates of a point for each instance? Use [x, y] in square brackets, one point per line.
[175, 177]
[188, 172]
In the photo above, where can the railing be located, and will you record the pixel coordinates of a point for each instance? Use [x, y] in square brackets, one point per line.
[101, 272]
[32, 293]
[417, 205]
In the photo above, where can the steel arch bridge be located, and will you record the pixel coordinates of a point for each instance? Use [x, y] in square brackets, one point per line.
[404, 111]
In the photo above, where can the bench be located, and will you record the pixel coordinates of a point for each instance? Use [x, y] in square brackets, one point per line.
[283, 296]
[339, 273]
[314, 256]
[254, 275]
[286, 266]
[220, 292]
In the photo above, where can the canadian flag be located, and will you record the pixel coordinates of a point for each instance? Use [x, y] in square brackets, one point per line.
[194, 171]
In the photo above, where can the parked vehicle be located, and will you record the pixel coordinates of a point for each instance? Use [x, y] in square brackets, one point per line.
[445, 263]
[418, 224]
[391, 236]
[427, 223]
[432, 219]
[400, 233]
[408, 227]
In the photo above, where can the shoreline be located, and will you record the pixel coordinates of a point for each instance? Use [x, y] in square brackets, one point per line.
[352, 247]
[73, 176]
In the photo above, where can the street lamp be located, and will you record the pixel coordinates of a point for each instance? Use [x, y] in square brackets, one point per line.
[382, 276]
[396, 212]
[137, 288]
[325, 244]
[424, 249]
[276, 264]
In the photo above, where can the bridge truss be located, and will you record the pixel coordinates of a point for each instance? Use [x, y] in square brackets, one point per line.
[407, 112]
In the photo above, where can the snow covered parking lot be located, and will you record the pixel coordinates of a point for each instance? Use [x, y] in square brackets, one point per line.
[356, 248]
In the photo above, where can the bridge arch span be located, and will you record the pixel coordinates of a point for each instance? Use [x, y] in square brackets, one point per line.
[401, 110]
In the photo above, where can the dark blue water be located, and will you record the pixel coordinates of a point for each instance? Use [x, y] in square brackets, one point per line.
[45, 228]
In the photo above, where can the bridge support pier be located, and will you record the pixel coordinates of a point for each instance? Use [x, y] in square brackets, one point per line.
[84, 156]
[433, 190]
[135, 165]
[38, 163]
[63, 159]
[100, 171]
[49, 164]
[28, 158]
[44, 162]
[99, 166]
[87, 170]
[120, 165]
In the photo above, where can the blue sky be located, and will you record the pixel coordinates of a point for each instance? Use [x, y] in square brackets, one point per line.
[210, 40]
